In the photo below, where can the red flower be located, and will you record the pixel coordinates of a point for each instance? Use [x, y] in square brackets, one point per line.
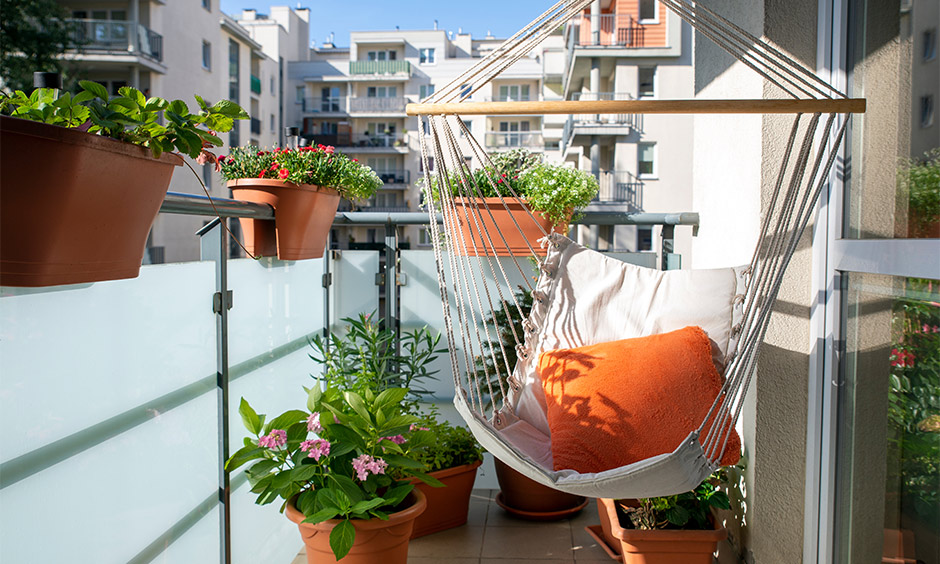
[329, 149]
[283, 173]
[261, 174]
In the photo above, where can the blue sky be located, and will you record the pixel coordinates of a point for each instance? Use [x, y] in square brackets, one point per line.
[501, 17]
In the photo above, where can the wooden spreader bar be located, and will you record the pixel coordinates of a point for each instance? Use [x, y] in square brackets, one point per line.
[802, 106]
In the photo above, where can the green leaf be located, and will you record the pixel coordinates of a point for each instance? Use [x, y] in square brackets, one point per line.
[403, 461]
[344, 434]
[225, 107]
[249, 417]
[348, 487]
[428, 479]
[356, 402]
[202, 103]
[124, 103]
[136, 95]
[363, 506]
[322, 515]
[341, 449]
[304, 472]
[263, 467]
[313, 397]
[285, 420]
[677, 515]
[342, 538]
[219, 123]
[155, 104]
[243, 455]
[178, 107]
[395, 495]
[94, 88]
[390, 396]
[193, 140]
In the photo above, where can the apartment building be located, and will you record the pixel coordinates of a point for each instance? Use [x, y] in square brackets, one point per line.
[175, 50]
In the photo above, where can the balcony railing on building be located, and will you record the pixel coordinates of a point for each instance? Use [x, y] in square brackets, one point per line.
[632, 122]
[116, 36]
[324, 105]
[514, 139]
[393, 177]
[620, 187]
[379, 67]
[363, 141]
[255, 84]
[614, 30]
[256, 126]
[376, 104]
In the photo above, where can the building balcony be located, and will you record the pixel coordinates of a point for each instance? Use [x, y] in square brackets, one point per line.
[600, 124]
[614, 30]
[375, 105]
[327, 105]
[379, 70]
[362, 143]
[116, 38]
[395, 179]
[255, 85]
[619, 188]
[256, 126]
[497, 140]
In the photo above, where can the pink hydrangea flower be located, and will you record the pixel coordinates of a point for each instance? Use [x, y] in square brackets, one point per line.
[316, 448]
[313, 423]
[397, 439]
[364, 464]
[414, 426]
[275, 439]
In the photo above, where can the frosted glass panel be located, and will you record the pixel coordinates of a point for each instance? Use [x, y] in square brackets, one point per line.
[73, 356]
[109, 502]
[274, 303]
[199, 544]
[354, 289]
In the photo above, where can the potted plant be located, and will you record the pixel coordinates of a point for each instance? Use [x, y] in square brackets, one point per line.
[552, 192]
[676, 529]
[919, 179]
[304, 186]
[83, 177]
[452, 457]
[363, 359]
[341, 468]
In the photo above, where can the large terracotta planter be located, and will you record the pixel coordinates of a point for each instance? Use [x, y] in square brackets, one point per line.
[528, 499]
[667, 546]
[377, 541]
[447, 506]
[519, 229]
[303, 214]
[74, 207]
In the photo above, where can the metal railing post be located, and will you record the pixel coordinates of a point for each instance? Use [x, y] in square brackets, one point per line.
[391, 281]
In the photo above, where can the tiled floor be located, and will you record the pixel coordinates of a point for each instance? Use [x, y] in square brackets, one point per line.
[493, 536]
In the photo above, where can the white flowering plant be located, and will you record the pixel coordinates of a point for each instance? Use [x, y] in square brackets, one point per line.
[348, 456]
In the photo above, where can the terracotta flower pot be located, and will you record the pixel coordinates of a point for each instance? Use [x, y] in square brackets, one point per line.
[303, 214]
[447, 506]
[74, 207]
[665, 546]
[528, 499]
[517, 237]
[377, 541]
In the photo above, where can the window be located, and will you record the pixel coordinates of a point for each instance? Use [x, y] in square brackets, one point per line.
[426, 55]
[926, 110]
[468, 124]
[273, 124]
[381, 92]
[206, 55]
[233, 71]
[430, 164]
[513, 134]
[465, 90]
[207, 4]
[646, 159]
[382, 55]
[207, 175]
[644, 239]
[116, 86]
[930, 44]
[301, 92]
[514, 93]
[329, 99]
[649, 11]
[425, 90]
[273, 87]
[646, 82]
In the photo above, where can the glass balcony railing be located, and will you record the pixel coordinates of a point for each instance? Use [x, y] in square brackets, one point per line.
[376, 105]
[324, 105]
[116, 36]
[514, 139]
[120, 399]
[380, 67]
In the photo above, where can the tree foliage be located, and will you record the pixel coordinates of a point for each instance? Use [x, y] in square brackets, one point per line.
[33, 36]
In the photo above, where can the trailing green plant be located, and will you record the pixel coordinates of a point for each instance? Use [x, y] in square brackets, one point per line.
[509, 326]
[363, 357]
[555, 190]
[347, 456]
[130, 116]
[920, 180]
[450, 445]
[690, 510]
[321, 165]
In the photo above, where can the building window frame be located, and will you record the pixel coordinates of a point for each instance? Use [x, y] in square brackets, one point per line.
[641, 80]
[207, 4]
[427, 56]
[927, 108]
[651, 171]
[425, 90]
[207, 55]
[929, 47]
[648, 21]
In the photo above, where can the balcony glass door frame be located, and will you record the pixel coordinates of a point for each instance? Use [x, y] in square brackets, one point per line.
[833, 257]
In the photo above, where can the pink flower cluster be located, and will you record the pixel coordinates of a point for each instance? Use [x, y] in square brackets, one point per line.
[397, 439]
[414, 426]
[902, 358]
[275, 439]
[316, 448]
[364, 464]
[313, 423]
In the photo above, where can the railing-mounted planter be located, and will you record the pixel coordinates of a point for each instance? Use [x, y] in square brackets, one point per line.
[499, 227]
[74, 207]
[303, 214]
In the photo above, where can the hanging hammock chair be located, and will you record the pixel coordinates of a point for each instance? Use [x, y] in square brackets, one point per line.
[629, 380]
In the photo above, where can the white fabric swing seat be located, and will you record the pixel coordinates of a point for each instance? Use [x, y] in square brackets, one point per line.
[584, 298]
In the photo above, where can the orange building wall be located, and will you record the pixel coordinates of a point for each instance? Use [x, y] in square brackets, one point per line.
[612, 28]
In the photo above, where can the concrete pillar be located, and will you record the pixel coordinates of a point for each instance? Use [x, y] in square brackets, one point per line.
[595, 155]
[595, 82]
[133, 14]
[596, 22]
[135, 77]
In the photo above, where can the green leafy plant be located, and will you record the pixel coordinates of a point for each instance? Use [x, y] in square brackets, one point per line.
[130, 116]
[321, 165]
[509, 326]
[450, 445]
[363, 357]
[33, 36]
[348, 456]
[919, 179]
[554, 190]
[690, 510]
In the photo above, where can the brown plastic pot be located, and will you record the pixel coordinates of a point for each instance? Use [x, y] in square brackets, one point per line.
[447, 506]
[519, 230]
[666, 546]
[303, 215]
[528, 499]
[377, 541]
[74, 207]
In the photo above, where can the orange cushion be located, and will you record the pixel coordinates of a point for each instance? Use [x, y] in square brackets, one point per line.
[615, 403]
